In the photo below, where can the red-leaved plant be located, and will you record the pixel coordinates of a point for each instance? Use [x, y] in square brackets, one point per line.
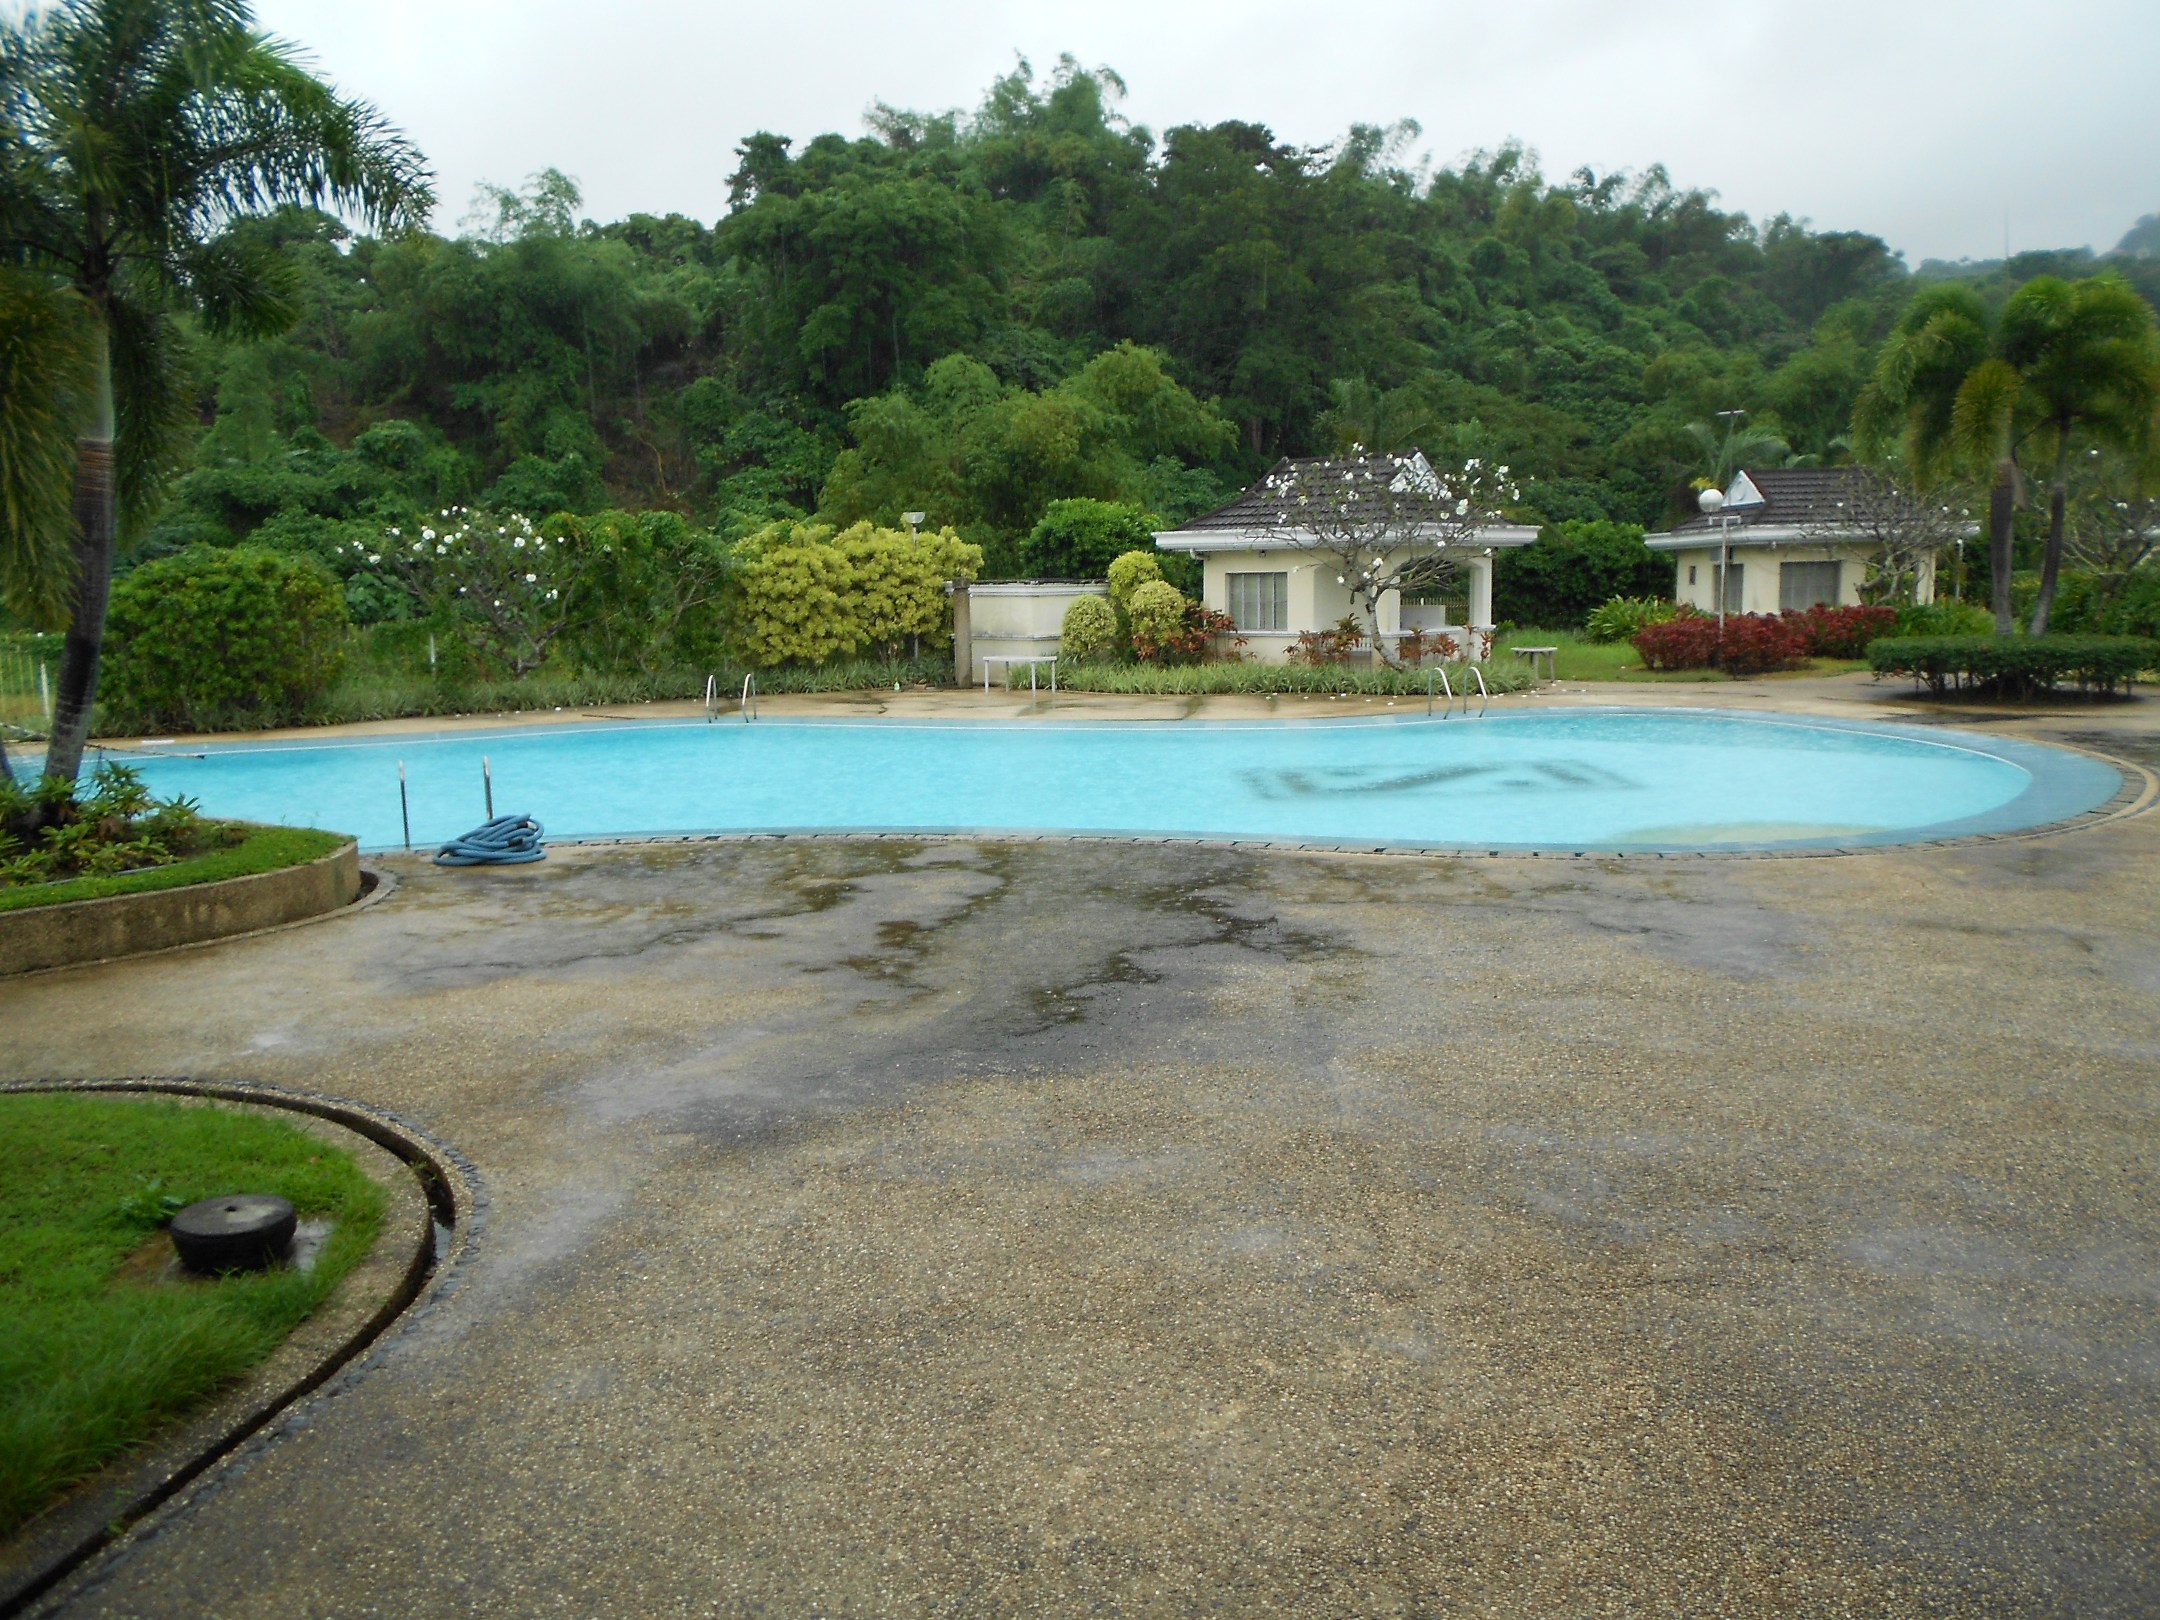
[1750, 643]
[1843, 632]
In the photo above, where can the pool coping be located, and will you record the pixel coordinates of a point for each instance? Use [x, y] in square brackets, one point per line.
[2136, 787]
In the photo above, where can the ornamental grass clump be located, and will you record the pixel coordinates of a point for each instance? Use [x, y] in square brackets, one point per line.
[1620, 617]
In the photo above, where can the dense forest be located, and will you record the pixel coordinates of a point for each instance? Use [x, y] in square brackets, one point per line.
[975, 315]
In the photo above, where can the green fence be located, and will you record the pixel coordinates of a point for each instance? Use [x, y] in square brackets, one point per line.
[27, 671]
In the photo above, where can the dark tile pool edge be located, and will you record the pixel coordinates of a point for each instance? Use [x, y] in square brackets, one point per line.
[2138, 792]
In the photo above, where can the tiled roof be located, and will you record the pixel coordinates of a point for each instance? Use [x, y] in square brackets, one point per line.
[1261, 508]
[1796, 497]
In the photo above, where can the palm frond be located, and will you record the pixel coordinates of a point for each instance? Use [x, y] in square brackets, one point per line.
[46, 376]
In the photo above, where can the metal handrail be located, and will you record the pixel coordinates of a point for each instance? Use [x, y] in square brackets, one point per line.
[749, 698]
[712, 697]
[1444, 686]
[1484, 697]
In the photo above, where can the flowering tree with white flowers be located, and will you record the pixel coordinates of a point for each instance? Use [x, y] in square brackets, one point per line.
[507, 586]
[1388, 523]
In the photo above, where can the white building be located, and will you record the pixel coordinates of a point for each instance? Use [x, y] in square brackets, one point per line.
[1276, 581]
[1784, 532]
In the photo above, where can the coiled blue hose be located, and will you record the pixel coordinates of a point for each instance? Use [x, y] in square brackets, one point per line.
[505, 841]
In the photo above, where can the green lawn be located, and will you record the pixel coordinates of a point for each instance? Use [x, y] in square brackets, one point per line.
[265, 849]
[92, 1361]
[1577, 658]
[1580, 659]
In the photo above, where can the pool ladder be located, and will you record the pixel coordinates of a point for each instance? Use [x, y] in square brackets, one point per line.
[1446, 686]
[712, 698]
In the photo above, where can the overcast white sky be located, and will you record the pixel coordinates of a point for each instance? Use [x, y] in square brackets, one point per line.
[1928, 122]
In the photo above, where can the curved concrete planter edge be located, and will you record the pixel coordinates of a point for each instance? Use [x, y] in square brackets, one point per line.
[78, 931]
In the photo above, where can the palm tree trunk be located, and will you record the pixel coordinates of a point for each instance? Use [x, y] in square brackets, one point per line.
[2002, 505]
[2058, 504]
[96, 509]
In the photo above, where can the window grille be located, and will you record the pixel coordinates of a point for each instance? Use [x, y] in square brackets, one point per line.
[1260, 601]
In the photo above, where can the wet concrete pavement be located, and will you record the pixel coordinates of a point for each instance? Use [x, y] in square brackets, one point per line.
[893, 1227]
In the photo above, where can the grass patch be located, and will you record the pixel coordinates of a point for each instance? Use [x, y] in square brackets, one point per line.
[1209, 680]
[92, 1362]
[1577, 658]
[264, 849]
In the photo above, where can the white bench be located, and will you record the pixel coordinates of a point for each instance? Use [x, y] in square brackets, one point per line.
[1534, 654]
[1020, 658]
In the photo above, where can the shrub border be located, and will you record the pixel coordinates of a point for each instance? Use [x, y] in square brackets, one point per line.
[64, 1537]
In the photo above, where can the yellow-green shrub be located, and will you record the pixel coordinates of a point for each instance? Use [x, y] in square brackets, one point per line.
[1089, 628]
[899, 583]
[807, 595]
[1157, 611]
[1127, 574]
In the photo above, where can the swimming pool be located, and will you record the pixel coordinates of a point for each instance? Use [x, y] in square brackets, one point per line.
[1584, 779]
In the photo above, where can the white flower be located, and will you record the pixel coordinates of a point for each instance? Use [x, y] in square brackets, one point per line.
[426, 533]
[441, 551]
[532, 579]
[517, 541]
[551, 596]
[374, 557]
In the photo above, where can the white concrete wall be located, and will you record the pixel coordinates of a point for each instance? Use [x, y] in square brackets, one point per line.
[1019, 619]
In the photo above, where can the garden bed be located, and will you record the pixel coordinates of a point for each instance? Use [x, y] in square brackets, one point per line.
[101, 1343]
[275, 875]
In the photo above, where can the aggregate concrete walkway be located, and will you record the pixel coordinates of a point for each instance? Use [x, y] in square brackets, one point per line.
[888, 1228]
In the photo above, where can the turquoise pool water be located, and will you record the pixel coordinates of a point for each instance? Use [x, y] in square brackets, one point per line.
[1566, 780]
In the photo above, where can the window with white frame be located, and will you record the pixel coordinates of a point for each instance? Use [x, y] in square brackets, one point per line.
[1259, 601]
[1802, 585]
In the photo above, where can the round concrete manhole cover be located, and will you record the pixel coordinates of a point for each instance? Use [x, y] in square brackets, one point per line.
[240, 1232]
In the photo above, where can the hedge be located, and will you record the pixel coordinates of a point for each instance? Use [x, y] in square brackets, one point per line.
[2016, 664]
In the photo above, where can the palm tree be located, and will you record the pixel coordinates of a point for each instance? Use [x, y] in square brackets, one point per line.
[44, 381]
[132, 134]
[2088, 356]
[2067, 360]
[1721, 455]
[1939, 389]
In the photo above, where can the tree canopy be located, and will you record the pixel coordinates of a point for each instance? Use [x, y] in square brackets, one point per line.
[978, 315]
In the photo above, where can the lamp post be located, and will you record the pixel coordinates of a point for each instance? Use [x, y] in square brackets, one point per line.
[1712, 502]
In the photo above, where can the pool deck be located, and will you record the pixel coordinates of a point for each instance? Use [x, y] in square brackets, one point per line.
[984, 1227]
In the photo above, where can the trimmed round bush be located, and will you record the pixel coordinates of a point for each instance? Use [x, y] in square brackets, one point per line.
[1157, 611]
[211, 636]
[1128, 573]
[1089, 629]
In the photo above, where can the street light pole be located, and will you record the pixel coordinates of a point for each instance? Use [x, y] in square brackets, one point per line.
[1712, 502]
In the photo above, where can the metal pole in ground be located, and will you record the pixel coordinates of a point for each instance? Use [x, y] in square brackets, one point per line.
[487, 786]
[403, 806]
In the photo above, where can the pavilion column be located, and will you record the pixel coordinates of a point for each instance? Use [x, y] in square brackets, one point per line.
[1481, 619]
